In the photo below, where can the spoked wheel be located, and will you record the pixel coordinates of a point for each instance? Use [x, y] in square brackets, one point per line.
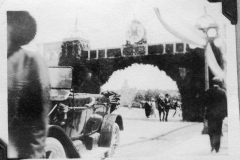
[114, 140]
[54, 149]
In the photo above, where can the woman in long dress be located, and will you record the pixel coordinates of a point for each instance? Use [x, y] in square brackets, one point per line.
[147, 107]
[153, 109]
[177, 107]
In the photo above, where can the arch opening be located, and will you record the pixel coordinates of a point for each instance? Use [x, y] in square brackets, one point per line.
[139, 83]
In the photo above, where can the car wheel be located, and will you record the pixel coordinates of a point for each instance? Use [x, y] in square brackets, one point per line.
[115, 140]
[54, 149]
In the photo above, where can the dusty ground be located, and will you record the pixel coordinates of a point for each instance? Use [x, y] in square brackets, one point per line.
[148, 137]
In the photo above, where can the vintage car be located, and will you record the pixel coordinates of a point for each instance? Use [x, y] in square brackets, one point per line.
[79, 122]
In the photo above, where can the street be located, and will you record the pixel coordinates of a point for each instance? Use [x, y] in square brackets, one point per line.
[144, 137]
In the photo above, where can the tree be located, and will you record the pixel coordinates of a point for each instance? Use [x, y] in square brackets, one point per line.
[138, 97]
[148, 95]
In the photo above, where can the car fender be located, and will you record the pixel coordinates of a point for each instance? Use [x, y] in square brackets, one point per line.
[107, 127]
[58, 133]
[93, 124]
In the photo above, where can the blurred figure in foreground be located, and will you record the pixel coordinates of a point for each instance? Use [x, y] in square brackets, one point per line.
[216, 110]
[28, 90]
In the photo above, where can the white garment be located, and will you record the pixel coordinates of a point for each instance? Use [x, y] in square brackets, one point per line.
[153, 109]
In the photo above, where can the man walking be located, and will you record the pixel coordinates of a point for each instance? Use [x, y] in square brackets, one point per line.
[216, 110]
[167, 105]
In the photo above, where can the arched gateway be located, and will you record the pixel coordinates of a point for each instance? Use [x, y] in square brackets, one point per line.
[182, 64]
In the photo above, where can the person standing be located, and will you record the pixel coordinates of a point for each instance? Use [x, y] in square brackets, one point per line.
[28, 90]
[216, 110]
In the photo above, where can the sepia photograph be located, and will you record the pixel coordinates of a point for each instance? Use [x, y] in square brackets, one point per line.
[118, 79]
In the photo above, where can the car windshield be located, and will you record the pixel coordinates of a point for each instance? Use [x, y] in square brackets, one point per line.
[60, 78]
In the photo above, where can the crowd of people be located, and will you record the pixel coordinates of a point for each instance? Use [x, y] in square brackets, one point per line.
[163, 104]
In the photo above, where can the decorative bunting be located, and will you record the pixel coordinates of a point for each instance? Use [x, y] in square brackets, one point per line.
[196, 39]
[213, 64]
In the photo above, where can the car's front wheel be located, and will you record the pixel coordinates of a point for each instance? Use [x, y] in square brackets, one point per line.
[54, 149]
[114, 140]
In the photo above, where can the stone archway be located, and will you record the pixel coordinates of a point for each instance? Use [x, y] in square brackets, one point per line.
[191, 87]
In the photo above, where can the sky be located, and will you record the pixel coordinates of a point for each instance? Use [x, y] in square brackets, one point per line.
[141, 77]
[104, 24]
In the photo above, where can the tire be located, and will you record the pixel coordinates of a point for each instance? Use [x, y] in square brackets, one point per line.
[54, 149]
[114, 140]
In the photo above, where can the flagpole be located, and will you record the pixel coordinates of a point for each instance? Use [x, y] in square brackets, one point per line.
[205, 121]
